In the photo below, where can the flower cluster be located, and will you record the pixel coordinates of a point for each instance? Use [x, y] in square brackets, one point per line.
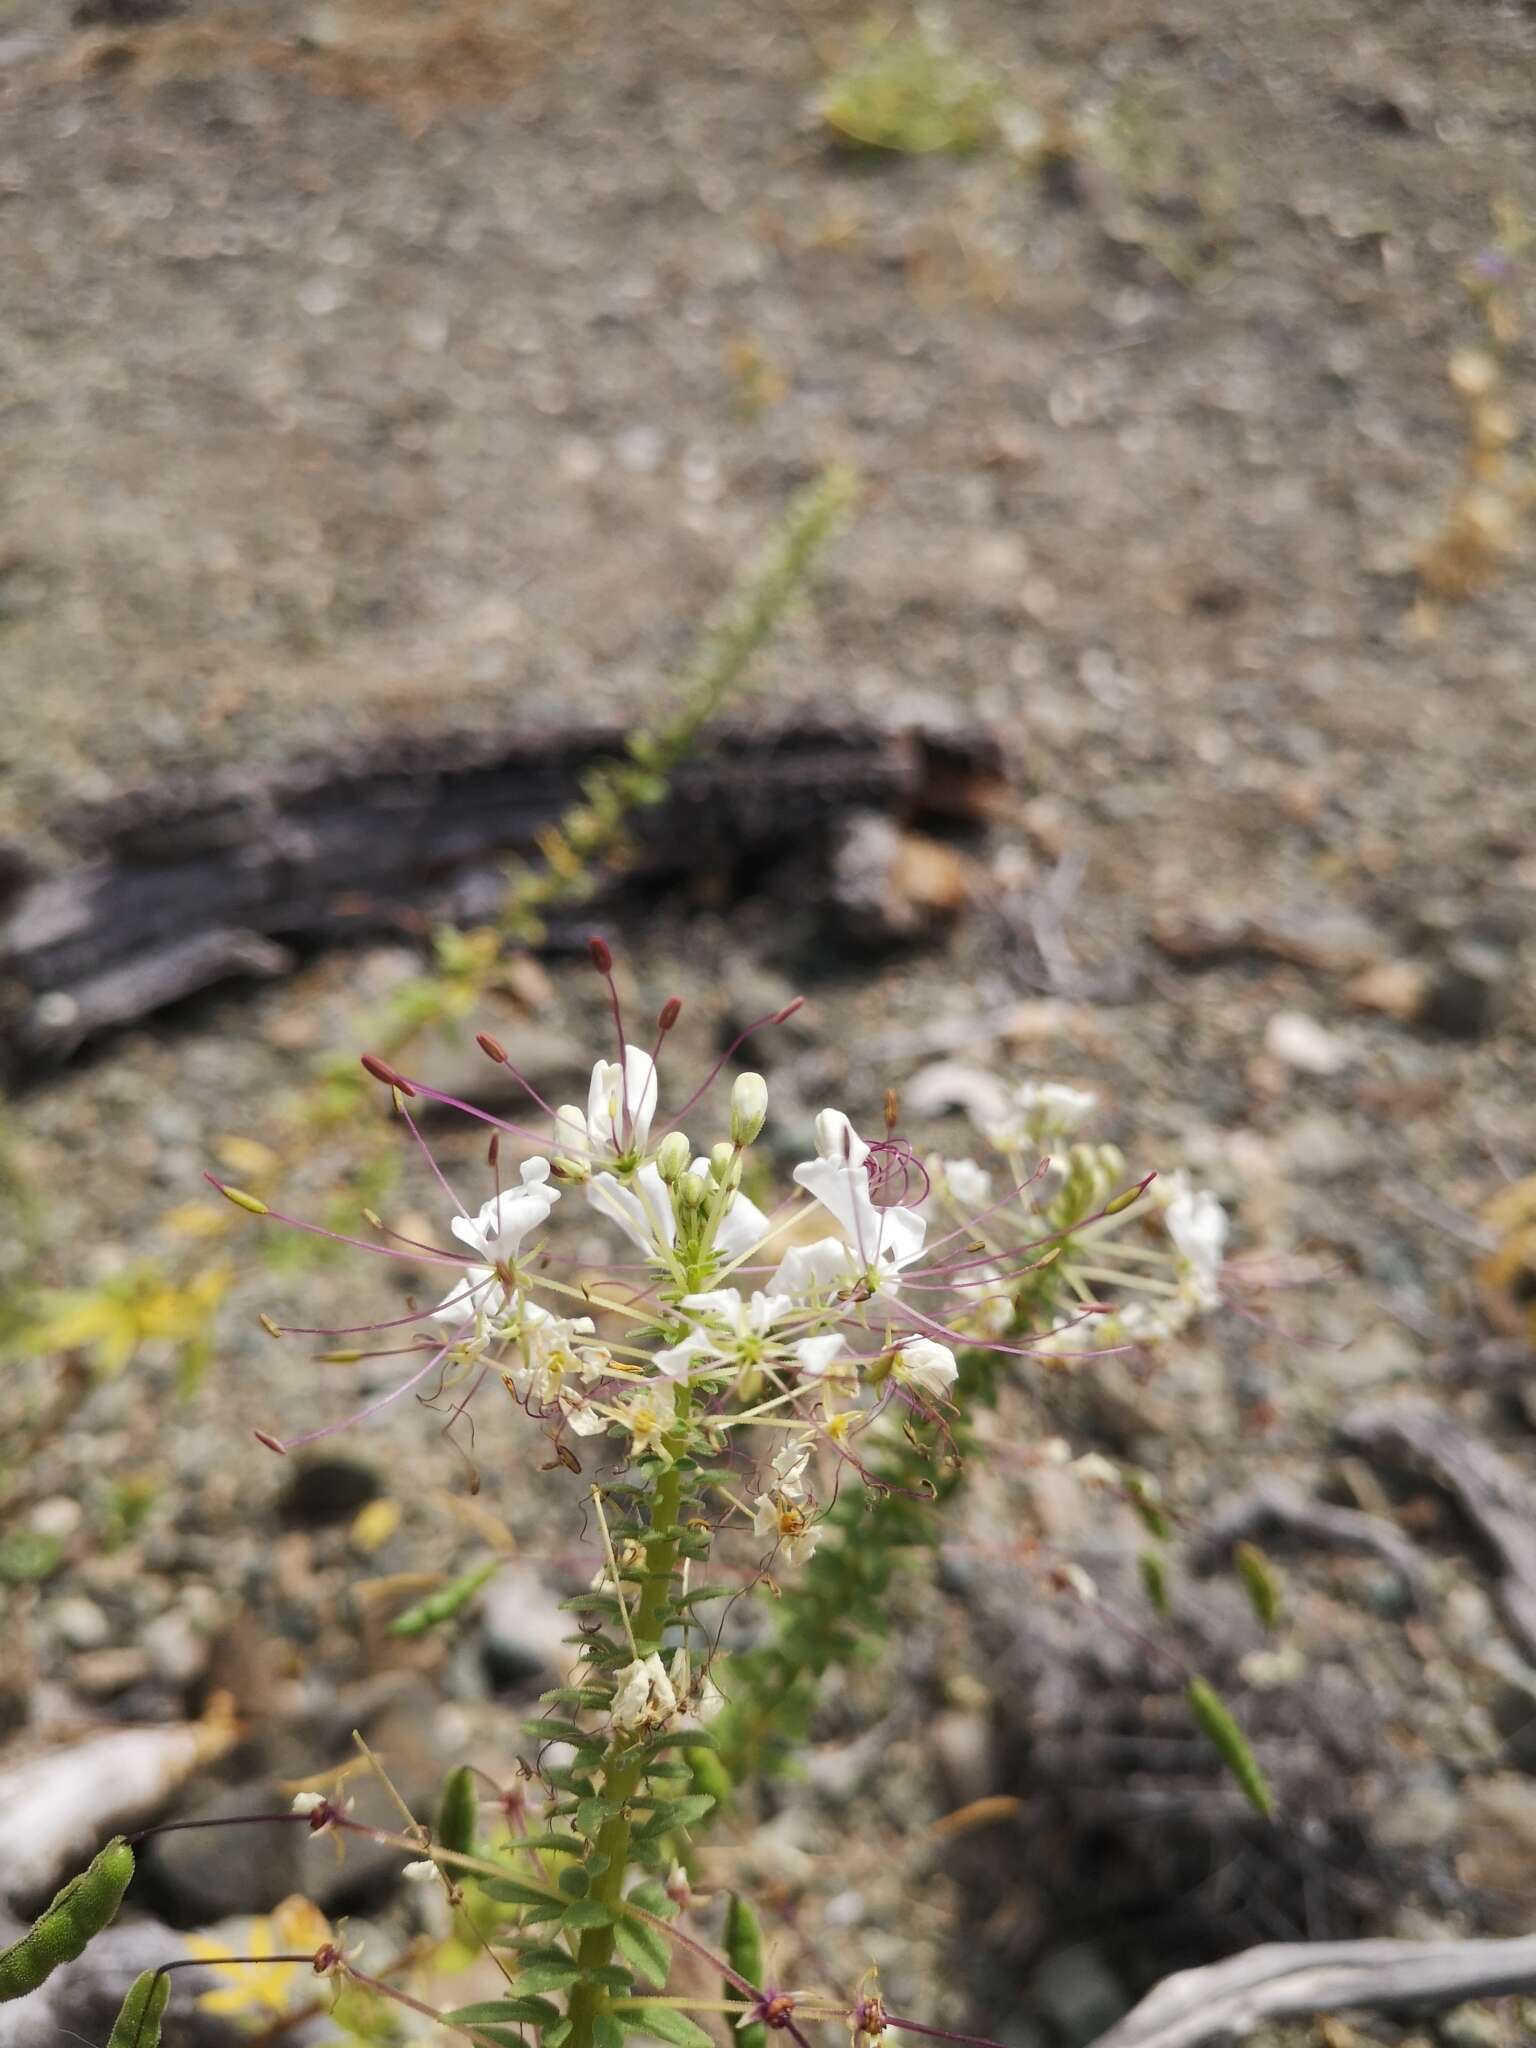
[760, 1345]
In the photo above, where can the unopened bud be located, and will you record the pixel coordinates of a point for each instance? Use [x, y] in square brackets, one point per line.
[674, 1155]
[1122, 1202]
[724, 1165]
[693, 1191]
[602, 954]
[671, 1010]
[749, 1108]
[242, 1200]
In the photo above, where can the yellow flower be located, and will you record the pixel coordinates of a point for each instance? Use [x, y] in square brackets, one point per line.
[264, 1985]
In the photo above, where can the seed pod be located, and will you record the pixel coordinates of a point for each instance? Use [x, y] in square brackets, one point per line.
[445, 1604]
[459, 1813]
[86, 1905]
[138, 2024]
[1261, 1582]
[744, 1948]
[1230, 1744]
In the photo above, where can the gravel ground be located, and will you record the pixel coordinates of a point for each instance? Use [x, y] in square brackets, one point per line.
[383, 368]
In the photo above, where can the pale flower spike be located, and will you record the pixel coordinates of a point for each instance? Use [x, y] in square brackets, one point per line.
[756, 1365]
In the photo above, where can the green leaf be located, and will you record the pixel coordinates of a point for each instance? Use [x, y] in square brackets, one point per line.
[552, 1970]
[1230, 1744]
[610, 1975]
[591, 1813]
[553, 2036]
[651, 1897]
[507, 1891]
[675, 1813]
[664, 2023]
[645, 1951]
[697, 1594]
[587, 1913]
[517, 2012]
[557, 1731]
[607, 2032]
[575, 1882]
[744, 1949]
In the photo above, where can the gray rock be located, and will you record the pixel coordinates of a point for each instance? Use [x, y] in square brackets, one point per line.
[80, 2002]
[1079, 1993]
[522, 1625]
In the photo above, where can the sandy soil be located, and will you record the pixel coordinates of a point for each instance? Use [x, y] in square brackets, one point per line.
[381, 368]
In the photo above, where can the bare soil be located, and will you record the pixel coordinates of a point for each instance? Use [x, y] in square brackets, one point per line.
[396, 368]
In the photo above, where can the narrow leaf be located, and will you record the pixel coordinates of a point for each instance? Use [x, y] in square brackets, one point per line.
[1230, 1744]
[645, 1951]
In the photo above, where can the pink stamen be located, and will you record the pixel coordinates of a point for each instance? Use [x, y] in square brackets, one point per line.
[340, 1237]
[778, 1017]
[310, 1436]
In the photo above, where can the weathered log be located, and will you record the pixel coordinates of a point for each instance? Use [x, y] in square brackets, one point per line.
[188, 883]
[1489, 1490]
[1289, 1980]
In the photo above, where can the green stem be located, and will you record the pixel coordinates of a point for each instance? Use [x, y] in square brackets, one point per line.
[623, 1770]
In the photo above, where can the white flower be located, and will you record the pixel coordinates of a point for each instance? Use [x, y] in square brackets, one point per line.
[621, 1102]
[962, 1179]
[789, 1463]
[551, 1358]
[1197, 1223]
[307, 1802]
[1039, 1111]
[788, 1523]
[475, 1301]
[1095, 1470]
[817, 1357]
[734, 1331]
[883, 1241]
[699, 1699]
[926, 1367]
[583, 1417]
[419, 1873]
[644, 1697]
[815, 1274]
[497, 1232]
[643, 1212]
[648, 1414]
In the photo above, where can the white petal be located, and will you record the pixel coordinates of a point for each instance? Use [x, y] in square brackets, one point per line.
[814, 1355]
[814, 1272]
[643, 1212]
[741, 1228]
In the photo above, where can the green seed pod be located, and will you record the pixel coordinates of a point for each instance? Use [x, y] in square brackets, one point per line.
[744, 1950]
[1154, 1580]
[86, 1905]
[138, 2024]
[459, 1813]
[442, 1606]
[1261, 1582]
[1230, 1744]
[1142, 1491]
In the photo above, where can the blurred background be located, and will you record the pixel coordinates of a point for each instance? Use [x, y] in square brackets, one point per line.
[393, 398]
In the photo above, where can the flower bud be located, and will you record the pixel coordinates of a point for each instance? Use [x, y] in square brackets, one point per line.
[692, 1191]
[749, 1108]
[724, 1165]
[674, 1155]
[572, 1148]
